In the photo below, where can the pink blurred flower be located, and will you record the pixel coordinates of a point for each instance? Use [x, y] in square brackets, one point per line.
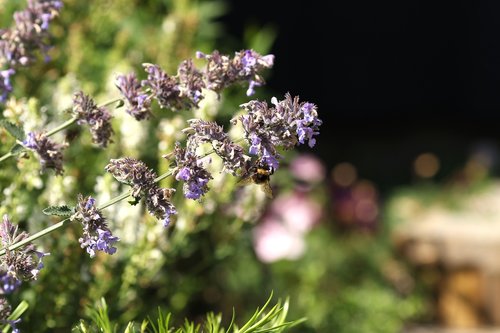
[297, 211]
[308, 168]
[280, 235]
[273, 241]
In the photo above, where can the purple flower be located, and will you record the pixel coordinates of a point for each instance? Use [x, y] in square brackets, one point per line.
[19, 44]
[96, 234]
[222, 71]
[97, 118]
[251, 87]
[190, 84]
[269, 159]
[254, 144]
[158, 202]
[8, 281]
[5, 84]
[195, 188]
[165, 88]
[136, 174]
[23, 263]
[138, 102]
[183, 174]
[232, 155]
[190, 169]
[285, 125]
[50, 153]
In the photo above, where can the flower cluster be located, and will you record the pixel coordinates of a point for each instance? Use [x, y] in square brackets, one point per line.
[96, 234]
[185, 89]
[136, 174]
[22, 264]
[222, 71]
[285, 125]
[19, 44]
[137, 102]
[201, 131]
[98, 118]
[190, 169]
[50, 153]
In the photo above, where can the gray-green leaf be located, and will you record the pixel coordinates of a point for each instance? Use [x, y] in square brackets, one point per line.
[64, 211]
[13, 129]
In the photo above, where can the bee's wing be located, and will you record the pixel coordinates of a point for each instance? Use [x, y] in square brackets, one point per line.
[245, 180]
[266, 187]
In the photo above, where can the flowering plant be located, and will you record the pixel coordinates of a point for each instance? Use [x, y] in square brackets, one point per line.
[200, 157]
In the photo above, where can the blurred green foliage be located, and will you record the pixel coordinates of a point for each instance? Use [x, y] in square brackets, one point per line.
[205, 261]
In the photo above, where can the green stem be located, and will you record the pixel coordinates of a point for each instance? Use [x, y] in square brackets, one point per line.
[115, 200]
[6, 156]
[112, 101]
[64, 125]
[37, 235]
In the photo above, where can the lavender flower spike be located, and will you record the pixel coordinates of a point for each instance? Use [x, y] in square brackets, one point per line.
[50, 153]
[17, 265]
[19, 44]
[136, 174]
[190, 170]
[285, 125]
[222, 71]
[232, 155]
[96, 234]
[137, 102]
[97, 118]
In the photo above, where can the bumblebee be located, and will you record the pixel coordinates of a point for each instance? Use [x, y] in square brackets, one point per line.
[260, 174]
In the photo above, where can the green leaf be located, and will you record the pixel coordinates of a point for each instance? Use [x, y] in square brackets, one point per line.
[16, 149]
[64, 211]
[121, 103]
[13, 129]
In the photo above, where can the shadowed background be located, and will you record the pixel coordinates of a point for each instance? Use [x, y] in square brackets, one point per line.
[392, 79]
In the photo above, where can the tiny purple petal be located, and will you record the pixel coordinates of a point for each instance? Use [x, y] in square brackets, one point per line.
[183, 174]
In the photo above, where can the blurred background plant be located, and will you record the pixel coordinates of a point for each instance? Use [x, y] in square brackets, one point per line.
[322, 240]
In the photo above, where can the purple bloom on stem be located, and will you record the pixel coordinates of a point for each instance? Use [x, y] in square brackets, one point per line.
[23, 263]
[9, 281]
[249, 61]
[195, 188]
[136, 174]
[255, 144]
[269, 159]
[190, 169]
[165, 88]
[138, 103]
[158, 202]
[50, 153]
[97, 118]
[285, 124]
[96, 234]
[183, 174]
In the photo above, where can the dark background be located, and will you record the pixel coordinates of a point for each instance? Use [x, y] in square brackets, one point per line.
[392, 79]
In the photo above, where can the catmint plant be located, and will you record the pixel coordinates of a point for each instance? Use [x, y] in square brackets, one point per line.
[266, 130]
